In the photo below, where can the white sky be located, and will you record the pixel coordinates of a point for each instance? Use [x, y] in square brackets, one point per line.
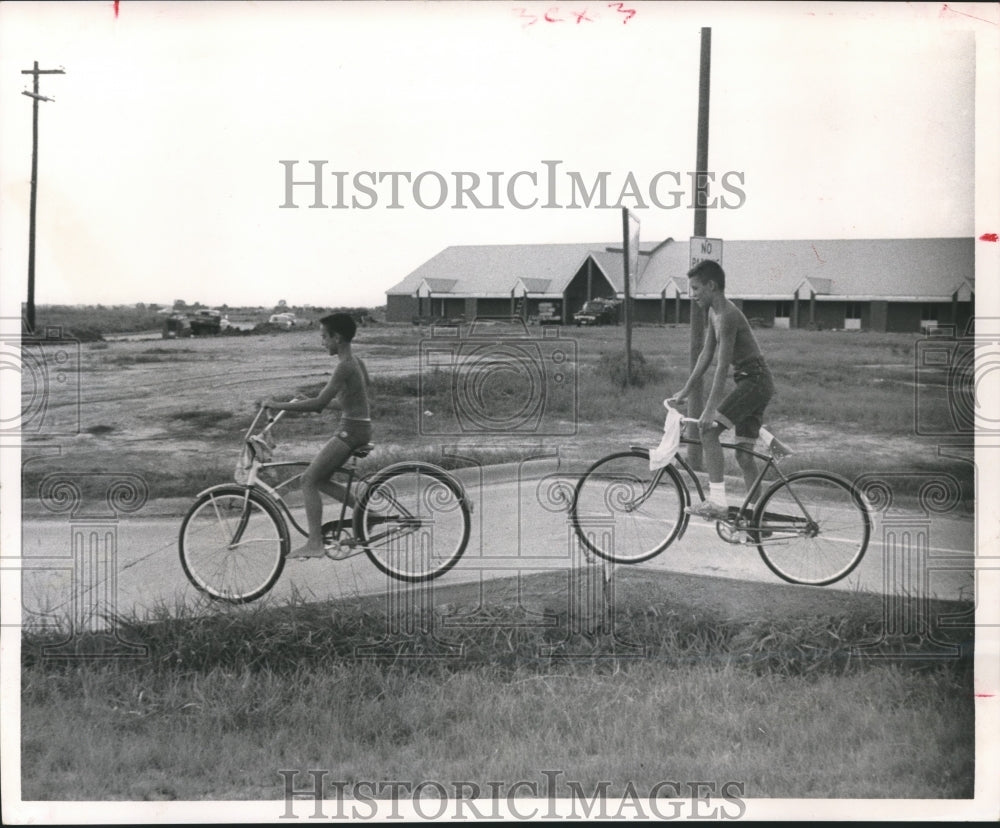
[159, 176]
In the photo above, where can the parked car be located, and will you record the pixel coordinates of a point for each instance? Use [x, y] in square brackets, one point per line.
[206, 322]
[288, 321]
[176, 326]
[598, 312]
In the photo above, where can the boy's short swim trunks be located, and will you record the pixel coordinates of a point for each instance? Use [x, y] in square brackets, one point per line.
[354, 432]
[743, 408]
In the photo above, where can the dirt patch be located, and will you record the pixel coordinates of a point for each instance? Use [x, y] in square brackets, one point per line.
[179, 412]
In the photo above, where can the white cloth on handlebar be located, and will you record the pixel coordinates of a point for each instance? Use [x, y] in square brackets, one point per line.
[665, 452]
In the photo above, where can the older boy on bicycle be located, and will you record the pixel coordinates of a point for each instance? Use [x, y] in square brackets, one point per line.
[729, 333]
[347, 391]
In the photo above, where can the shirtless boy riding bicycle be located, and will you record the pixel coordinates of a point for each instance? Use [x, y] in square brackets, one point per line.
[729, 334]
[347, 391]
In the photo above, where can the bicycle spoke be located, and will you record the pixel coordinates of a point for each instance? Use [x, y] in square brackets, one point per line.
[413, 522]
[624, 512]
[232, 546]
[828, 534]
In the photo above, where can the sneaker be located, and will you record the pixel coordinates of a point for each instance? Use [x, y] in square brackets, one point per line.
[708, 510]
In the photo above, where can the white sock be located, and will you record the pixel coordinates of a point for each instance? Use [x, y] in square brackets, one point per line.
[717, 493]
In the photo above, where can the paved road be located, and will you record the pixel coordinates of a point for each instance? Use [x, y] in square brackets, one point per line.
[518, 526]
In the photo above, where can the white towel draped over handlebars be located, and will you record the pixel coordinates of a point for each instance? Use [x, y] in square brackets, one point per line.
[664, 453]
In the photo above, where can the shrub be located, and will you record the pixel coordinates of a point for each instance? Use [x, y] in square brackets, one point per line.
[612, 366]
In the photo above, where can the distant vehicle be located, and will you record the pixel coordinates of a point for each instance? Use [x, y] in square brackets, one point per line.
[176, 326]
[549, 313]
[206, 322]
[598, 312]
[288, 321]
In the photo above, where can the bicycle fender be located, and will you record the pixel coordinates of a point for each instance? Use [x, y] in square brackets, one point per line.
[431, 468]
[220, 486]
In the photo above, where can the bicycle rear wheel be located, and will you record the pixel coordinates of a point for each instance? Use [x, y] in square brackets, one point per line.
[812, 528]
[233, 544]
[626, 513]
[413, 521]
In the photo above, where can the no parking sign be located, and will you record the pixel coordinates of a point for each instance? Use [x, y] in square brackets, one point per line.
[704, 249]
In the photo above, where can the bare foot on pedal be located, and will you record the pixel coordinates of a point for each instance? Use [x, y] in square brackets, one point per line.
[309, 551]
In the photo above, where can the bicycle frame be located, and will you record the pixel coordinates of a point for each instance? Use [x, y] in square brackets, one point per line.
[770, 462]
[257, 444]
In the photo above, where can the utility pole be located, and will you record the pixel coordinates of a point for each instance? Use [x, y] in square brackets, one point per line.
[627, 310]
[696, 398]
[36, 97]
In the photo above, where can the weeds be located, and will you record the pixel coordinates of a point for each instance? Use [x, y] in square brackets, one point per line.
[328, 685]
[612, 367]
[285, 638]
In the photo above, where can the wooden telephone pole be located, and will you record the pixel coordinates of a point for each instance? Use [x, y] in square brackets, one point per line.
[696, 399]
[36, 97]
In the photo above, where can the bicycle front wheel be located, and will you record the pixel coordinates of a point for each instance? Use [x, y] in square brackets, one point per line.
[626, 513]
[811, 528]
[233, 544]
[413, 521]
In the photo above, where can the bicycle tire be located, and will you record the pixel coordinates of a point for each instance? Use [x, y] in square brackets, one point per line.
[605, 517]
[822, 548]
[413, 521]
[218, 555]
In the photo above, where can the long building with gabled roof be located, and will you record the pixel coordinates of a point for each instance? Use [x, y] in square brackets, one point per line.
[867, 284]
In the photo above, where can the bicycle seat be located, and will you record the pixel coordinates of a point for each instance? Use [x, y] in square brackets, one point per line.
[363, 451]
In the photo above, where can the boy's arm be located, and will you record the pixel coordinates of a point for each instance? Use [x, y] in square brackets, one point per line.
[704, 358]
[727, 341]
[314, 404]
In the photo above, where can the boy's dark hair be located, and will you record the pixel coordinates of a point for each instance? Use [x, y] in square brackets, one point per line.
[709, 271]
[340, 323]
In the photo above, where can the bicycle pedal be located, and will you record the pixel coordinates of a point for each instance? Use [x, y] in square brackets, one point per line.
[341, 550]
[730, 534]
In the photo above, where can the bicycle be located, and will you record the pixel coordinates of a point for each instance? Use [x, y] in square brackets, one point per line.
[412, 520]
[810, 527]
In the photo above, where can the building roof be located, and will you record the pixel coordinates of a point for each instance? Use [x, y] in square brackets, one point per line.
[494, 269]
[859, 269]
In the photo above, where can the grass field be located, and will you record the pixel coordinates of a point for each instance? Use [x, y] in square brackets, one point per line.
[788, 692]
[792, 693]
[173, 412]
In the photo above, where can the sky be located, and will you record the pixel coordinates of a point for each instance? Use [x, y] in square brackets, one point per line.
[160, 174]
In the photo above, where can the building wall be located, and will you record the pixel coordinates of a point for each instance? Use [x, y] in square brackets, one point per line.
[646, 310]
[878, 315]
[493, 307]
[907, 317]
[965, 312]
[832, 315]
[759, 309]
[400, 308]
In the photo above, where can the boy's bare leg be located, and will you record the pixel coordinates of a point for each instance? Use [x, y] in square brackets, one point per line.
[316, 479]
[748, 465]
[338, 492]
[713, 454]
[715, 507]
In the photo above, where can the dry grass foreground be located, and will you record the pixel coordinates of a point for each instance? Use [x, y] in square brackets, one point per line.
[767, 685]
[788, 691]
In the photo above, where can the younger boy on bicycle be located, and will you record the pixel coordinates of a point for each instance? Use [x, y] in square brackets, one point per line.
[742, 409]
[347, 391]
